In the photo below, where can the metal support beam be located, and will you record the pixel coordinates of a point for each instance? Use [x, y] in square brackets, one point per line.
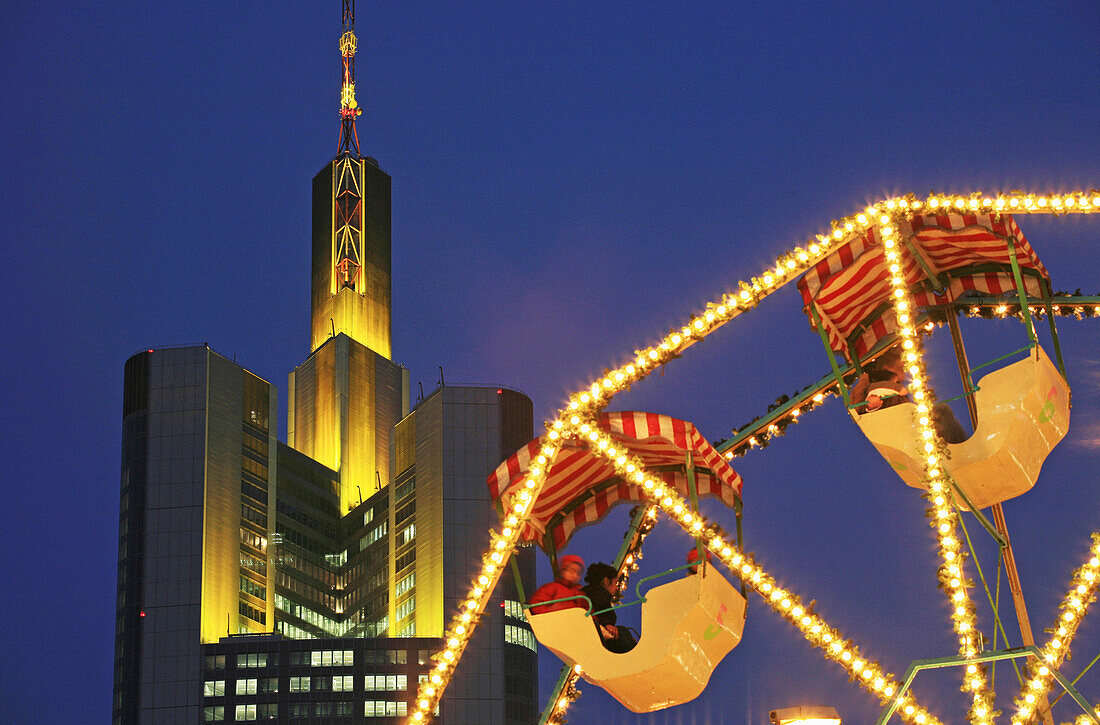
[1009, 653]
[1001, 526]
[832, 355]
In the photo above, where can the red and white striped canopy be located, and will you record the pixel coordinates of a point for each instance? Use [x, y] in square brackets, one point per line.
[970, 251]
[582, 486]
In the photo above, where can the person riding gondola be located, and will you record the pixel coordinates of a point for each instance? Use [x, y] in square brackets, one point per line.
[881, 387]
[601, 589]
[568, 584]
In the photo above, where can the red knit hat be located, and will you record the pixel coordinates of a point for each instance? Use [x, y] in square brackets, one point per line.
[693, 555]
[571, 559]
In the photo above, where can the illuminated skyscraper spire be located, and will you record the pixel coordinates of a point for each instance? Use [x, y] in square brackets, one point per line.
[349, 108]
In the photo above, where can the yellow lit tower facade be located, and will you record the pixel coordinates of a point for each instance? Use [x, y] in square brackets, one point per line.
[346, 397]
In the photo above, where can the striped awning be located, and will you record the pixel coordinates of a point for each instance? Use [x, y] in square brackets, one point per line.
[581, 486]
[850, 288]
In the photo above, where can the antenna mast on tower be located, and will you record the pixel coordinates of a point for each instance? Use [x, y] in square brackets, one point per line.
[349, 108]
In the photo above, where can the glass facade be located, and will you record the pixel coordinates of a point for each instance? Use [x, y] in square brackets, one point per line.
[188, 478]
[332, 681]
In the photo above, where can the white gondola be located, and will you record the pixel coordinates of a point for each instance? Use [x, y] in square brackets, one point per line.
[688, 626]
[1023, 412]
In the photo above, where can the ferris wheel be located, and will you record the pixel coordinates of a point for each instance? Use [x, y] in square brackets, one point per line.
[873, 288]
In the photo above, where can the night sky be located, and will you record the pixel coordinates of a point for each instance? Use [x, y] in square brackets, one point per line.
[570, 180]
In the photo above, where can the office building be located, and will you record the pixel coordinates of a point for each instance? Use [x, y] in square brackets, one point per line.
[309, 581]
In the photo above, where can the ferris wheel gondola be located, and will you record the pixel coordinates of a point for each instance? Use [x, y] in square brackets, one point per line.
[1020, 411]
[689, 624]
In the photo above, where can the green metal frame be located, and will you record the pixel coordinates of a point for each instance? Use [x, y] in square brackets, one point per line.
[1011, 653]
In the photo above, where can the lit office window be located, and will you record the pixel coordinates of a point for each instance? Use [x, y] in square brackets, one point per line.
[520, 636]
[213, 688]
[332, 658]
[246, 712]
[343, 683]
[373, 683]
[299, 684]
[405, 608]
[252, 660]
[405, 583]
[246, 686]
[384, 708]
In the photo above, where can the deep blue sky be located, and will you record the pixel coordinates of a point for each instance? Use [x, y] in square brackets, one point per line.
[570, 179]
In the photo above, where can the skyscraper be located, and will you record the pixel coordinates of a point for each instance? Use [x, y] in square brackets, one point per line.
[306, 581]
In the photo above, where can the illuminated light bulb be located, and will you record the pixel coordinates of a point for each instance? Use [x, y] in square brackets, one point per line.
[745, 294]
[909, 709]
[960, 203]
[888, 690]
[814, 249]
[1042, 201]
[576, 669]
[934, 202]
[845, 655]
[1070, 201]
[837, 234]
[1014, 202]
[726, 552]
[1000, 203]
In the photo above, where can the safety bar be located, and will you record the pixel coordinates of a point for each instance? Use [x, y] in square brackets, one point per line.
[1007, 355]
[884, 398]
[563, 599]
[638, 588]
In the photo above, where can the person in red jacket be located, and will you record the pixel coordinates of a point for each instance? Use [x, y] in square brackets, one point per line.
[693, 559]
[567, 584]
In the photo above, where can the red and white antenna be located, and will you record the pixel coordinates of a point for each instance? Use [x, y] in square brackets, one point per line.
[349, 108]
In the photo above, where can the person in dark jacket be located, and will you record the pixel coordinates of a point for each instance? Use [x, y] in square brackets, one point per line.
[601, 589]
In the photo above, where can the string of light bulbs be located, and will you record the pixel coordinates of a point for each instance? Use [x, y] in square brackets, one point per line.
[1074, 606]
[591, 400]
